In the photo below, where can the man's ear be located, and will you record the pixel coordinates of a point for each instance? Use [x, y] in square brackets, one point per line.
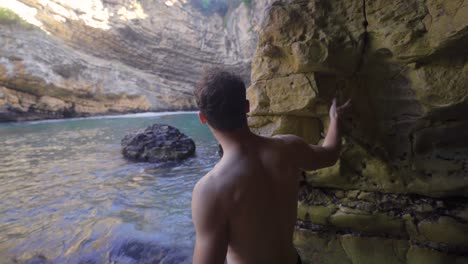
[202, 118]
[247, 106]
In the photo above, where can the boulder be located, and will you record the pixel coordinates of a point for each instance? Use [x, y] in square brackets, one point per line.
[157, 143]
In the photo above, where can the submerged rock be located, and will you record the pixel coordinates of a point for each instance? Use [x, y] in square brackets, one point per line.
[149, 252]
[38, 259]
[157, 143]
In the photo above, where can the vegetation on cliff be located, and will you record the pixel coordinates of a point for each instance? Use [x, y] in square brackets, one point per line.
[7, 16]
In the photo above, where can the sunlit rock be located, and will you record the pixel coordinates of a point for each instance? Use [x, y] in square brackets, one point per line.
[104, 57]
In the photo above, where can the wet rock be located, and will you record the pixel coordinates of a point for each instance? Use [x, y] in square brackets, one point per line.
[320, 248]
[39, 259]
[367, 223]
[421, 255]
[141, 252]
[445, 230]
[367, 250]
[415, 218]
[316, 214]
[157, 143]
[331, 248]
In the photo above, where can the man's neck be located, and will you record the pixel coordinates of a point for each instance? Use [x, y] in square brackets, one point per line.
[233, 139]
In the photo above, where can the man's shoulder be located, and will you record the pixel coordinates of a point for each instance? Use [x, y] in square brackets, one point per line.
[204, 190]
[211, 184]
[205, 183]
[287, 138]
[289, 141]
[212, 192]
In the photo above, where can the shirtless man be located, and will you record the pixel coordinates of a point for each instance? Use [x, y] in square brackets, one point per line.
[244, 210]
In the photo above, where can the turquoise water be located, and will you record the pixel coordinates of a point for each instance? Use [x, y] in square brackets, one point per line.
[68, 196]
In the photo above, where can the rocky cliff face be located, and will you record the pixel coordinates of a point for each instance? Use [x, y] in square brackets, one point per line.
[399, 193]
[102, 56]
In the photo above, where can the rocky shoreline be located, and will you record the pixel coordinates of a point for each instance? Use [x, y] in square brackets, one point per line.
[17, 106]
[114, 57]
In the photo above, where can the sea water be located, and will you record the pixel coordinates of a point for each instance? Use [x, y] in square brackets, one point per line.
[68, 196]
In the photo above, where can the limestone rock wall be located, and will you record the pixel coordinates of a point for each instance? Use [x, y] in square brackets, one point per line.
[103, 56]
[400, 188]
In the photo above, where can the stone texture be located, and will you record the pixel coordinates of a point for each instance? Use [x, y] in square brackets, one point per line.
[319, 248]
[407, 131]
[445, 230]
[399, 192]
[157, 143]
[374, 250]
[315, 214]
[362, 221]
[332, 248]
[437, 223]
[101, 57]
[418, 255]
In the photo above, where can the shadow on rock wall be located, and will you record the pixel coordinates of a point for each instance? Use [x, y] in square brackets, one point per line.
[406, 133]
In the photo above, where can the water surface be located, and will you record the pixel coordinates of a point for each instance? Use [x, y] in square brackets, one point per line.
[67, 195]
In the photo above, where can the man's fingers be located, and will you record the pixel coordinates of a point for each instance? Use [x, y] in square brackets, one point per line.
[345, 105]
[348, 103]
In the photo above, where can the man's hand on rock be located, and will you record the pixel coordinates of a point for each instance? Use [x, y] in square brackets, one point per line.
[337, 111]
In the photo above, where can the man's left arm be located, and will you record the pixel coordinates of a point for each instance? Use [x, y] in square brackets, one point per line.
[210, 225]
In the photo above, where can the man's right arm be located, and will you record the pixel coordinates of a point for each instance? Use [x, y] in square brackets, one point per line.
[312, 157]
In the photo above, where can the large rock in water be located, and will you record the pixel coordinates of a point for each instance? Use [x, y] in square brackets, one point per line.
[399, 193]
[157, 143]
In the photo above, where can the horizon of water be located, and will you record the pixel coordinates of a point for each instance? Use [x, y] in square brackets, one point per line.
[68, 196]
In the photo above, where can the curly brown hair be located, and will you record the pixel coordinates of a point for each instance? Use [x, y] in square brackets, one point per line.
[221, 97]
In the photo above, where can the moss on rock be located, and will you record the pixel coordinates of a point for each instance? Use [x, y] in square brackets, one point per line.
[371, 250]
[361, 221]
[445, 230]
[315, 214]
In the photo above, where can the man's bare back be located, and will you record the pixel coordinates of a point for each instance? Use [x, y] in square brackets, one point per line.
[244, 210]
[256, 184]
